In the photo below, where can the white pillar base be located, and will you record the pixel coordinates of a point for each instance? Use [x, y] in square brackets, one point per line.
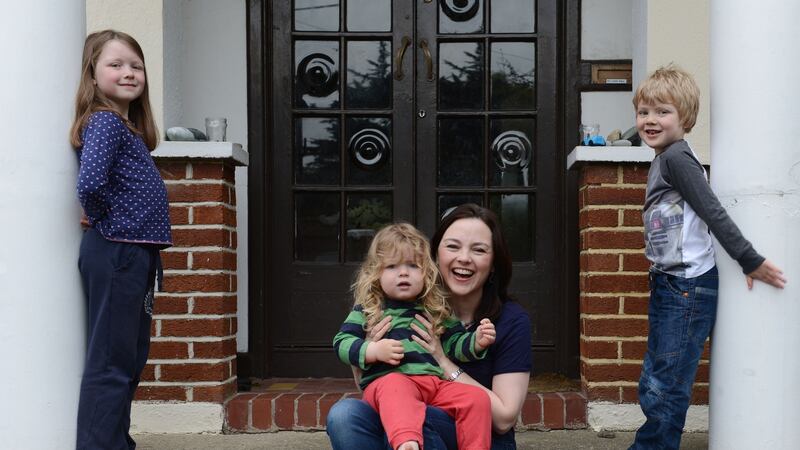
[169, 417]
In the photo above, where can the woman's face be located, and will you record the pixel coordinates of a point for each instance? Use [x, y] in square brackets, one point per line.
[465, 257]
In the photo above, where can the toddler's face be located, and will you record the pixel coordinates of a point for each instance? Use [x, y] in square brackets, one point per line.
[402, 277]
[658, 124]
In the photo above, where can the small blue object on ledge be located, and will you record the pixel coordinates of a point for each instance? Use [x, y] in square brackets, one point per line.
[594, 141]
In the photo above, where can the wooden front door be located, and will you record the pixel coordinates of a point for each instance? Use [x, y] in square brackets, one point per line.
[386, 110]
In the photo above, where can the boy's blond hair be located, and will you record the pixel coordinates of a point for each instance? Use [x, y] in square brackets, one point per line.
[386, 247]
[671, 84]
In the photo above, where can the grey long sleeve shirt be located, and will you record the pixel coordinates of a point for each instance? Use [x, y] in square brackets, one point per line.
[679, 210]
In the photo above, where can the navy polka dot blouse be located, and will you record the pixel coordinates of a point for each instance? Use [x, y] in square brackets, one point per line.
[119, 186]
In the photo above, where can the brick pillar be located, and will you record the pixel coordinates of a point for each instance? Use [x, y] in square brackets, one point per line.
[614, 288]
[193, 347]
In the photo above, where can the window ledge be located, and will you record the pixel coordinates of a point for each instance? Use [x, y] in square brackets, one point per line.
[581, 155]
[202, 150]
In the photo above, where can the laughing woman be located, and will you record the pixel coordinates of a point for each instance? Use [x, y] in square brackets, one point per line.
[475, 264]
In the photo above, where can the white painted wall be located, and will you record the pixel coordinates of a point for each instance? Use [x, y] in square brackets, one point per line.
[606, 34]
[42, 310]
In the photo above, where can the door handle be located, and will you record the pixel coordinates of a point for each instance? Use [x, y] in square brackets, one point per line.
[398, 59]
[426, 52]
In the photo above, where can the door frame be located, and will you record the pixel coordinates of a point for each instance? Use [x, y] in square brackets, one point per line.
[255, 362]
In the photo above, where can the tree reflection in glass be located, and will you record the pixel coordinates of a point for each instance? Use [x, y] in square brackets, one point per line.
[316, 151]
[512, 72]
[461, 75]
[369, 74]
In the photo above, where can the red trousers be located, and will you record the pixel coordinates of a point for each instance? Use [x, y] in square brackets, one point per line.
[400, 401]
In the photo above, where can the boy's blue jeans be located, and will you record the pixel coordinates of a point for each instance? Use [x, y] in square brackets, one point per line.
[681, 314]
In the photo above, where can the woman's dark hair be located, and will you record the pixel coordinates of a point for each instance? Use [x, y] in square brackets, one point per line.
[495, 290]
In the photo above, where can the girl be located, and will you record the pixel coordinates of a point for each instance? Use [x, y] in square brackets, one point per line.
[399, 279]
[126, 213]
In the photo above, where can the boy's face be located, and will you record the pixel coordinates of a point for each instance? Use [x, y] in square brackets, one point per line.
[658, 125]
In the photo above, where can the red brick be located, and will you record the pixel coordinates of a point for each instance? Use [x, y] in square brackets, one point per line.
[149, 372]
[307, 410]
[630, 394]
[582, 197]
[635, 305]
[210, 215]
[599, 305]
[611, 372]
[706, 351]
[553, 407]
[170, 305]
[234, 240]
[614, 327]
[598, 174]
[599, 262]
[603, 393]
[214, 394]
[216, 282]
[197, 192]
[702, 373]
[613, 283]
[598, 349]
[161, 393]
[219, 260]
[605, 195]
[635, 262]
[699, 395]
[284, 411]
[175, 260]
[636, 174]
[598, 218]
[195, 372]
[214, 350]
[632, 218]
[596, 239]
[172, 170]
[262, 412]
[212, 170]
[634, 349]
[575, 409]
[532, 410]
[178, 215]
[225, 304]
[232, 195]
[325, 405]
[196, 327]
[192, 237]
[237, 412]
[168, 350]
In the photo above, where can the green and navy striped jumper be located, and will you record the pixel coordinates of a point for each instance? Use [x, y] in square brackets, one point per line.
[350, 344]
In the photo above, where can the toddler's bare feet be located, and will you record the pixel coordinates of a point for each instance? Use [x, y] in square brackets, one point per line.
[409, 445]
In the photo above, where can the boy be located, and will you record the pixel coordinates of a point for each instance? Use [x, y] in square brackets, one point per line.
[679, 210]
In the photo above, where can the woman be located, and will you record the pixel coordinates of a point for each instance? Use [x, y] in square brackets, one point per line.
[476, 268]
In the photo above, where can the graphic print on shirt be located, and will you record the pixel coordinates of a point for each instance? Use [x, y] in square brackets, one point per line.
[663, 227]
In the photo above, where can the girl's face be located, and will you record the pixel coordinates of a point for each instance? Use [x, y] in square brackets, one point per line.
[465, 257]
[402, 277]
[119, 74]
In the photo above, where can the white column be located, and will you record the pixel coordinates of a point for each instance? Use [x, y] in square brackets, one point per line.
[755, 170]
[42, 312]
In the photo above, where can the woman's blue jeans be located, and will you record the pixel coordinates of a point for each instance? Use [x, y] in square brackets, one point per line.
[681, 313]
[353, 424]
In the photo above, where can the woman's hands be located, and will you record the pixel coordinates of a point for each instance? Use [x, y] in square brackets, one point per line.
[389, 351]
[428, 339]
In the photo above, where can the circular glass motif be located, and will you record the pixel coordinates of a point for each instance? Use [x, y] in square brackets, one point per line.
[317, 75]
[460, 10]
[369, 148]
[512, 151]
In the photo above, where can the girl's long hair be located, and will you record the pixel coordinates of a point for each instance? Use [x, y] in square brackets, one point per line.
[388, 245]
[89, 99]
